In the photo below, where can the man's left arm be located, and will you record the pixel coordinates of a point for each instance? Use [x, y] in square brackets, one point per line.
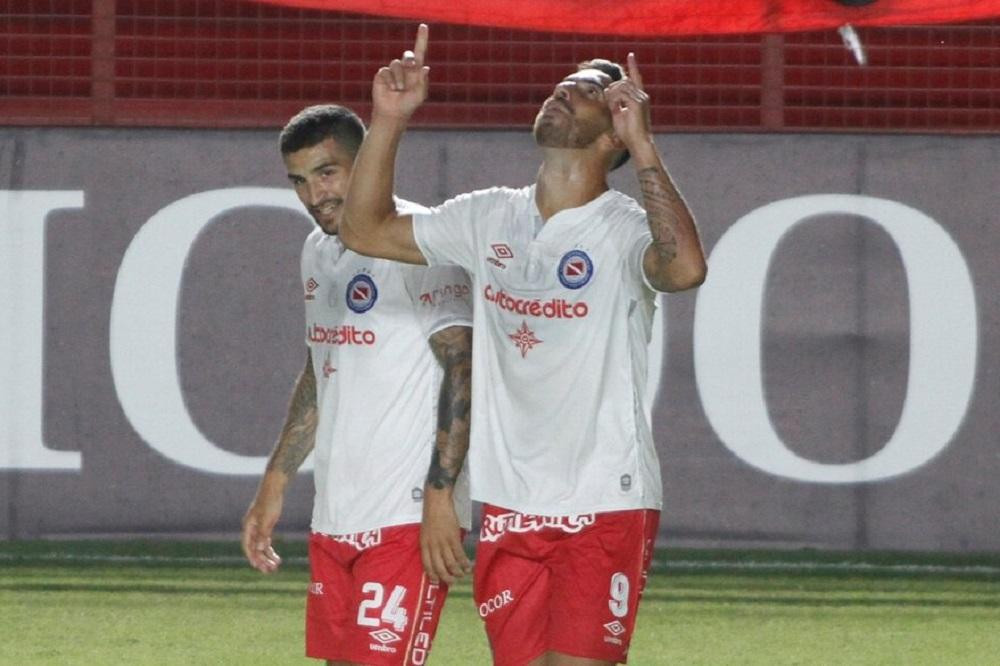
[441, 548]
[675, 260]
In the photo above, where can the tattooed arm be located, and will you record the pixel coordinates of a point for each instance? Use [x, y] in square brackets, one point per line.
[440, 535]
[296, 441]
[675, 260]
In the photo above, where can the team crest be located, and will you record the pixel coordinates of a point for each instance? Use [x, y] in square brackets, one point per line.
[575, 269]
[361, 293]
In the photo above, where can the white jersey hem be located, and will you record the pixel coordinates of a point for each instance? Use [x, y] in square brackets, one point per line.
[328, 530]
[602, 508]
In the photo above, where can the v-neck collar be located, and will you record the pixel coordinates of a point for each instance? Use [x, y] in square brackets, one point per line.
[565, 216]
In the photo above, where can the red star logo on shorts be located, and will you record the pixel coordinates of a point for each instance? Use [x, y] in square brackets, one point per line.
[524, 339]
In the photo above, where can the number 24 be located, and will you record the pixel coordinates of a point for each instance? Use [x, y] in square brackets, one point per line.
[393, 613]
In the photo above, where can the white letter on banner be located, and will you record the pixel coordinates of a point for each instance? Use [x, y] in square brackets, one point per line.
[144, 327]
[22, 284]
[943, 339]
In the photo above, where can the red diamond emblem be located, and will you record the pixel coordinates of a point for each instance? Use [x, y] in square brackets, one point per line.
[524, 339]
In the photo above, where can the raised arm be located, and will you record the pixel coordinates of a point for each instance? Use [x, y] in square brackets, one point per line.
[440, 534]
[298, 437]
[371, 224]
[675, 260]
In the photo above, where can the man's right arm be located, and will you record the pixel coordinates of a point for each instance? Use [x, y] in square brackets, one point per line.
[298, 437]
[371, 224]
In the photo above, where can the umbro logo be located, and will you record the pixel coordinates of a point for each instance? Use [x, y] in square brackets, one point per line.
[615, 628]
[311, 286]
[500, 251]
[384, 636]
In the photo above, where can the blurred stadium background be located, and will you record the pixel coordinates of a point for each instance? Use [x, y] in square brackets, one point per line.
[137, 149]
[230, 63]
[132, 127]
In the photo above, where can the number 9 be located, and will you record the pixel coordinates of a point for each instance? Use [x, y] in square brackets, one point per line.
[619, 595]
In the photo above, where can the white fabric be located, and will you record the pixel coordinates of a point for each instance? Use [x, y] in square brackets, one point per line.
[559, 358]
[377, 382]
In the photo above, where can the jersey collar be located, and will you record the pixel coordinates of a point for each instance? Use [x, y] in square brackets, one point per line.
[568, 215]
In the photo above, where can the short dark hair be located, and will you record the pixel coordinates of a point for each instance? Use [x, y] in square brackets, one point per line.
[615, 71]
[315, 124]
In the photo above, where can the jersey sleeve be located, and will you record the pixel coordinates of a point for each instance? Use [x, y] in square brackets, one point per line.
[307, 258]
[635, 238]
[308, 266]
[446, 234]
[441, 296]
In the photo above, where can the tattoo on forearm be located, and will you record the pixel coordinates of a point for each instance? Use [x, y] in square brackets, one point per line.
[298, 437]
[663, 206]
[453, 349]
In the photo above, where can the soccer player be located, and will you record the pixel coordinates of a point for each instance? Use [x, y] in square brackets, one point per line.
[366, 402]
[565, 275]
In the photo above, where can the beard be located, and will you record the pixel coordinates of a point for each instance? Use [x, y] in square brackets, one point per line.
[552, 131]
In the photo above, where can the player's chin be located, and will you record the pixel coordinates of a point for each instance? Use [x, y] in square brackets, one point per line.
[330, 225]
[544, 134]
[549, 132]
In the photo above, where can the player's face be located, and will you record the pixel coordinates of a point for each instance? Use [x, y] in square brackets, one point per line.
[319, 175]
[576, 113]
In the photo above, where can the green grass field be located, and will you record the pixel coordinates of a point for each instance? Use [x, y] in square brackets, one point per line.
[196, 603]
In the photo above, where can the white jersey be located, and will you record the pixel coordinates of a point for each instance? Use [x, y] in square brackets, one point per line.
[563, 315]
[377, 382]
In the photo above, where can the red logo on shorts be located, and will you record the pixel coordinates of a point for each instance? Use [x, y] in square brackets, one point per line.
[502, 251]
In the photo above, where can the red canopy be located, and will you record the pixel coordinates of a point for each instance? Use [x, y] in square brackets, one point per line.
[666, 17]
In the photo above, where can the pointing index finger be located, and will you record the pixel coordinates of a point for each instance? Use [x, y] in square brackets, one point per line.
[420, 47]
[633, 70]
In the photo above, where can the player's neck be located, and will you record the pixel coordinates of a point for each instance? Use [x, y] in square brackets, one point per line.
[568, 179]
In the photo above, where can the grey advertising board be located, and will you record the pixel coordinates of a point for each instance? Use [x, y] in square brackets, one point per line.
[833, 384]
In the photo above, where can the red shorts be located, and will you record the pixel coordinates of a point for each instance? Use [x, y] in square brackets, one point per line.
[369, 600]
[570, 585]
